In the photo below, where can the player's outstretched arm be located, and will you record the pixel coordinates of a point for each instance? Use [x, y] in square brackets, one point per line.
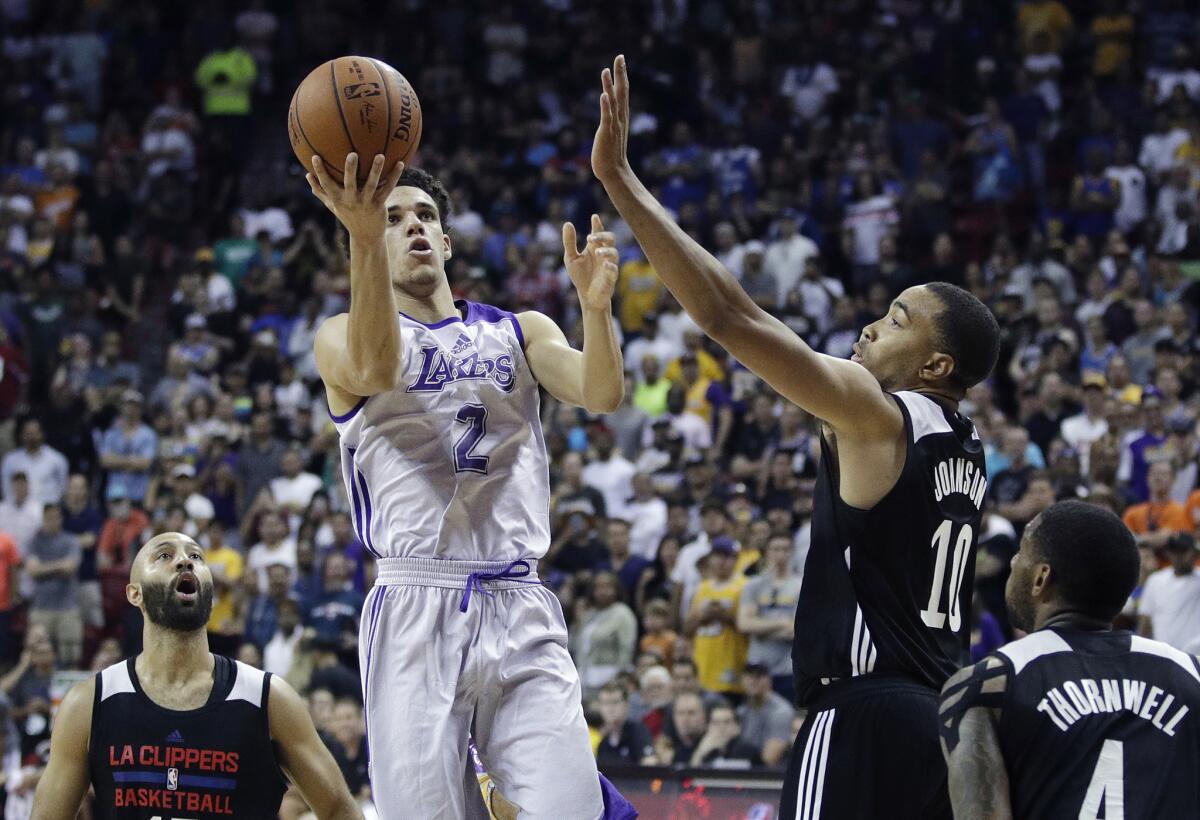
[65, 782]
[593, 379]
[358, 354]
[304, 757]
[839, 392]
[978, 776]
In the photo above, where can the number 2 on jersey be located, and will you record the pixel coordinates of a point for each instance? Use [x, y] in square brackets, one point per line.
[465, 459]
[932, 615]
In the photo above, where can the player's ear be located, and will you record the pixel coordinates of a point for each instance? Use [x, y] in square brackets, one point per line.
[938, 368]
[1040, 579]
[446, 246]
[133, 594]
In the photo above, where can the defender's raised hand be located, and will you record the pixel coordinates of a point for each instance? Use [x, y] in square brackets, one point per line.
[361, 211]
[609, 157]
[594, 271]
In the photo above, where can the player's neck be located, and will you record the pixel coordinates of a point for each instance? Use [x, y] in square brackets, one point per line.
[429, 309]
[1071, 619]
[172, 657]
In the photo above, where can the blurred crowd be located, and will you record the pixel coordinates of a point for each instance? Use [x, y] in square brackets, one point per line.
[163, 271]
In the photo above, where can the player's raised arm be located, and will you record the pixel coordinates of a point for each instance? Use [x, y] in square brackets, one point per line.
[978, 777]
[840, 392]
[593, 379]
[358, 354]
[65, 781]
[304, 757]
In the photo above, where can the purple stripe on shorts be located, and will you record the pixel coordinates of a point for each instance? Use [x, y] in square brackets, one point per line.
[373, 622]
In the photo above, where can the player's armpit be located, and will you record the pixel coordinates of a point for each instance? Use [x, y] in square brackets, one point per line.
[304, 758]
[65, 781]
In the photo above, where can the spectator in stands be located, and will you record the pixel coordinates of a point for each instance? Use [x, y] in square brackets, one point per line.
[264, 606]
[276, 547]
[349, 730]
[647, 514]
[82, 520]
[767, 613]
[723, 746]
[1170, 603]
[623, 741]
[44, 467]
[127, 450]
[627, 566]
[719, 647]
[1158, 519]
[658, 638]
[684, 731]
[765, 716]
[603, 634]
[21, 513]
[226, 565]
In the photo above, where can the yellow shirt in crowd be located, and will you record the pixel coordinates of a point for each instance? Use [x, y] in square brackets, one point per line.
[719, 650]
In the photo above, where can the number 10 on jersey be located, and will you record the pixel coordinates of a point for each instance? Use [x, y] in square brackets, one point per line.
[943, 589]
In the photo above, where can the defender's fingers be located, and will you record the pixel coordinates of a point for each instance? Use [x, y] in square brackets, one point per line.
[597, 225]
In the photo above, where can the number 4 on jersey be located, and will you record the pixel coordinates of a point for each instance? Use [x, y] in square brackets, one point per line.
[932, 615]
[1107, 788]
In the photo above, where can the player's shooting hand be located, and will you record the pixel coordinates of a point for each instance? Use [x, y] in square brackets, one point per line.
[361, 210]
[610, 159]
[594, 271]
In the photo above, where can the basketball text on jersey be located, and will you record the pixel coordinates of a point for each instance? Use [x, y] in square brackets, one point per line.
[958, 475]
[439, 369]
[158, 767]
[1075, 700]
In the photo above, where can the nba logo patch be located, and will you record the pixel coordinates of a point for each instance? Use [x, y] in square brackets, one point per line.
[172, 779]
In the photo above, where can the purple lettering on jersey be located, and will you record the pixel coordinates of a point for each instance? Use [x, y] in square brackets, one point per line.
[439, 370]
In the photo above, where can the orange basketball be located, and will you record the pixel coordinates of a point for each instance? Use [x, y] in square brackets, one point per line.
[354, 104]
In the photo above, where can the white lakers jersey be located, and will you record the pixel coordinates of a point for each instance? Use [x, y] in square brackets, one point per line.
[451, 463]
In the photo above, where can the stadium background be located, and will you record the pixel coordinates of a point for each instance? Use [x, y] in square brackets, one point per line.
[163, 269]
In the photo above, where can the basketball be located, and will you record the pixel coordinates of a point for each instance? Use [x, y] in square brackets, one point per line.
[354, 104]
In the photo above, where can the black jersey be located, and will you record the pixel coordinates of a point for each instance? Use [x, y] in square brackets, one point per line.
[1100, 724]
[888, 590]
[212, 763]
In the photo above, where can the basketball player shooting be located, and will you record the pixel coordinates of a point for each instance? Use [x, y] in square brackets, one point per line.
[884, 612]
[436, 405]
[178, 731]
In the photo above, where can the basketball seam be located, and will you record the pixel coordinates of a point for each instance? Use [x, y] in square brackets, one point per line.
[337, 100]
[300, 127]
[387, 96]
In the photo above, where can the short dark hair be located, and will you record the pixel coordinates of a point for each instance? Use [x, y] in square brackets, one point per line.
[615, 688]
[427, 182]
[969, 333]
[1093, 556]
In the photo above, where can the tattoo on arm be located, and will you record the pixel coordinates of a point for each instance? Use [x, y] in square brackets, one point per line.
[978, 777]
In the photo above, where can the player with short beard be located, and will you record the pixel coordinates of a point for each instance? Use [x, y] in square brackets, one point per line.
[178, 731]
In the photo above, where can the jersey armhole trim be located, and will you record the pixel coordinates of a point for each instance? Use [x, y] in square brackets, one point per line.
[516, 323]
[349, 414]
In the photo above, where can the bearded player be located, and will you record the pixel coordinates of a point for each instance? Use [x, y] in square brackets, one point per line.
[178, 731]
[884, 612]
[436, 404]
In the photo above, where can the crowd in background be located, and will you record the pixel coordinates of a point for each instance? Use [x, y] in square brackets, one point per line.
[163, 271]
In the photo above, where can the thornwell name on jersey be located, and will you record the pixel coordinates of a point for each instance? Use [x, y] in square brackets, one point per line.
[439, 370]
[1089, 697]
[958, 475]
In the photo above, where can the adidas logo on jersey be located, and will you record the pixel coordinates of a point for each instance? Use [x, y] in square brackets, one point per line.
[462, 343]
[175, 737]
[439, 370]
